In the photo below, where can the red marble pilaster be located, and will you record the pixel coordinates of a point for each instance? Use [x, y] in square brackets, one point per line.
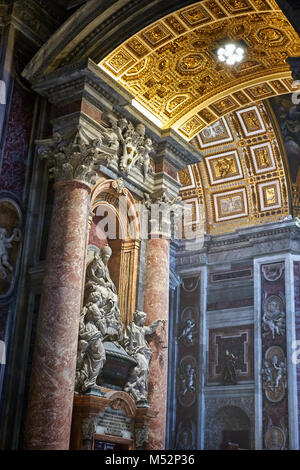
[156, 305]
[50, 404]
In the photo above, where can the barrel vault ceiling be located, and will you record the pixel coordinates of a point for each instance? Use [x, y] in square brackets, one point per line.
[171, 69]
[242, 178]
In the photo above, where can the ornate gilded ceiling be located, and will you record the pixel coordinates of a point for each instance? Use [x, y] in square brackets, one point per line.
[241, 180]
[171, 67]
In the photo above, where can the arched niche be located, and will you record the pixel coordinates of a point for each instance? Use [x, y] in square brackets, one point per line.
[114, 203]
[10, 244]
[230, 424]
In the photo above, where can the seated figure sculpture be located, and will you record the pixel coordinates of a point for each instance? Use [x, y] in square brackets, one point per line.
[99, 321]
[136, 345]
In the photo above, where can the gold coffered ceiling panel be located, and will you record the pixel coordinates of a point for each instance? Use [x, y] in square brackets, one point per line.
[172, 70]
[241, 180]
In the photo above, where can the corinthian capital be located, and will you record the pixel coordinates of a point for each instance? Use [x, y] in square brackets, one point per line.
[162, 208]
[162, 198]
[73, 157]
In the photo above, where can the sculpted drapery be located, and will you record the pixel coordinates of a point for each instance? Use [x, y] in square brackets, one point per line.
[100, 320]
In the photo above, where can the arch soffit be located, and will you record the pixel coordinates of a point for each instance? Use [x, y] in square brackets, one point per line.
[104, 186]
[130, 39]
[94, 30]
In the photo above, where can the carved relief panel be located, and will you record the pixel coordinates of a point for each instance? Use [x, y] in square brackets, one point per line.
[274, 366]
[187, 369]
[10, 245]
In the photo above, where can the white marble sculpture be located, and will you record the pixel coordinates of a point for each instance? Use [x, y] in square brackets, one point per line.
[136, 345]
[274, 378]
[5, 245]
[187, 380]
[100, 320]
[130, 145]
[273, 320]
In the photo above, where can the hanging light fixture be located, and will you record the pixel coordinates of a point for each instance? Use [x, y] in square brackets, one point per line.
[230, 53]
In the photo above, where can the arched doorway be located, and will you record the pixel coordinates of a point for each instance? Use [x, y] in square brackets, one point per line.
[229, 424]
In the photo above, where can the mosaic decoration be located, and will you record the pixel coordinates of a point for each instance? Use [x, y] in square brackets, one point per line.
[171, 67]
[236, 341]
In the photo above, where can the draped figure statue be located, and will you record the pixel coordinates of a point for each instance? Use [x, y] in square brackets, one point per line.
[100, 320]
[136, 345]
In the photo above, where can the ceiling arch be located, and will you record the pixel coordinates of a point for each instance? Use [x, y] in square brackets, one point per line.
[95, 29]
[171, 68]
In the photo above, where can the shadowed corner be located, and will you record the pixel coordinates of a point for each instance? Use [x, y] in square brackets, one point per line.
[2, 353]
[2, 92]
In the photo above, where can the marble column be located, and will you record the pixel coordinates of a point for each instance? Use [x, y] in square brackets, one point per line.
[51, 393]
[156, 305]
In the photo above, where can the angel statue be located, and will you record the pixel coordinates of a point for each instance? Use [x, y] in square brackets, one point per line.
[99, 321]
[5, 244]
[136, 345]
[143, 155]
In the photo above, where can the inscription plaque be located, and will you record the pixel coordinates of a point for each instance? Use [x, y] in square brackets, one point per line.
[114, 423]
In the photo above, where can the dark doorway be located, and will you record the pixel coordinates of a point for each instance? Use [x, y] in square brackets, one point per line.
[241, 438]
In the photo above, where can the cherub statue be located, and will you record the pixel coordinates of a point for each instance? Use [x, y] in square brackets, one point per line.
[267, 374]
[144, 156]
[111, 136]
[280, 371]
[187, 331]
[187, 380]
[5, 244]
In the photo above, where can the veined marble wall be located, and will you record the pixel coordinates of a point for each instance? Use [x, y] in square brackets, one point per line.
[296, 270]
[187, 371]
[14, 164]
[274, 357]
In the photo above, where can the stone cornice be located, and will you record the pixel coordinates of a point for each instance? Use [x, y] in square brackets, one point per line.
[185, 153]
[243, 240]
[85, 79]
[93, 28]
[33, 21]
